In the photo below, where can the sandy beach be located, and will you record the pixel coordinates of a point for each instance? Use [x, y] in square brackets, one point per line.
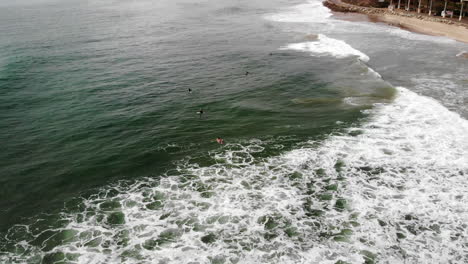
[456, 32]
[435, 26]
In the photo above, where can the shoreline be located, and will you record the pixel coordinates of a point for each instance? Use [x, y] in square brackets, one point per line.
[414, 22]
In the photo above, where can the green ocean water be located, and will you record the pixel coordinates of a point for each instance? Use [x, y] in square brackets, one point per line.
[94, 94]
[109, 100]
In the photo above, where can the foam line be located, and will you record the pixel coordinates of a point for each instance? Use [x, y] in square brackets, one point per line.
[328, 46]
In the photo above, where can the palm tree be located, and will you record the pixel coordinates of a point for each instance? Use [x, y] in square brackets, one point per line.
[445, 9]
[461, 10]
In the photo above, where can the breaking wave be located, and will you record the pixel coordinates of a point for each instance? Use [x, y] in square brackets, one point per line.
[390, 190]
[328, 46]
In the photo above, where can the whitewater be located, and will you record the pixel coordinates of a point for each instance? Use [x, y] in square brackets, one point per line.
[376, 192]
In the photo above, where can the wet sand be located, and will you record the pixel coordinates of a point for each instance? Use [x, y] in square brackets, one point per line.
[353, 17]
[414, 24]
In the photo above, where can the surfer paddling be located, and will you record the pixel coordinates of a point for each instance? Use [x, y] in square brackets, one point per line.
[200, 112]
[220, 140]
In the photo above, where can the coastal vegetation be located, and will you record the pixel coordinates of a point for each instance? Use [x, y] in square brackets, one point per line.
[447, 8]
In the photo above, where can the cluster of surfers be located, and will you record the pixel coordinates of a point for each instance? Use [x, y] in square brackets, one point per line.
[200, 113]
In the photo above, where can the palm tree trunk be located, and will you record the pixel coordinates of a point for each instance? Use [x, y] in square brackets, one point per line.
[445, 8]
[461, 10]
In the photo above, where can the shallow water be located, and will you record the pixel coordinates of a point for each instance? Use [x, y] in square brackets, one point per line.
[345, 142]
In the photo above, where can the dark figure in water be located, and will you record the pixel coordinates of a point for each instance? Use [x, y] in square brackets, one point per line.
[189, 90]
[200, 112]
[271, 53]
[246, 73]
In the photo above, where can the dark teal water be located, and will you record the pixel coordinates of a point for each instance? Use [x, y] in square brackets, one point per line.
[93, 93]
[90, 100]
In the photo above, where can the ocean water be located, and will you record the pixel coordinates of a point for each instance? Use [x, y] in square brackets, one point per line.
[347, 142]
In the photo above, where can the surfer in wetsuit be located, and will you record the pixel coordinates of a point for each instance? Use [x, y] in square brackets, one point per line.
[189, 90]
[200, 112]
[246, 73]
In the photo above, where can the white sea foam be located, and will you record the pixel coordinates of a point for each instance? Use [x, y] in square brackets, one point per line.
[418, 37]
[312, 11]
[409, 169]
[373, 73]
[462, 53]
[393, 190]
[327, 46]
[447, 88]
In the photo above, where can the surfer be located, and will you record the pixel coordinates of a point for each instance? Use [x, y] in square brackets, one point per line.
[200, 112]
[189, 90]
[246, 73]
[220, 140]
